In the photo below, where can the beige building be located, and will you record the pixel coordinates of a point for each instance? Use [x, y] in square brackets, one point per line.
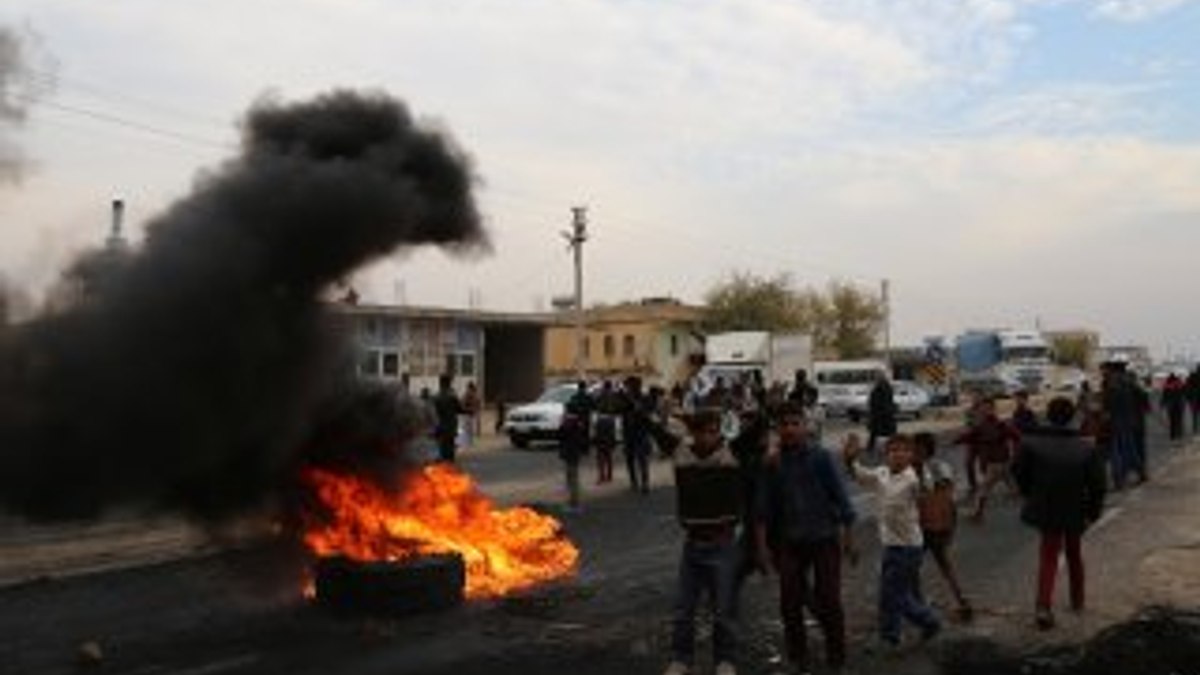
[657, 339]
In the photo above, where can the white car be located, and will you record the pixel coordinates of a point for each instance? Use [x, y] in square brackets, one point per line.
[911, 401]
[541, 420]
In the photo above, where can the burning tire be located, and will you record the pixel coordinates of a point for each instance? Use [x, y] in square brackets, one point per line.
[396, 588]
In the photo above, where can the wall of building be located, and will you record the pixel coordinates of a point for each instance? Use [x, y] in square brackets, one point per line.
[609, 349]
[675, 348]
[658, 352]
[513, 363]
[400, 349]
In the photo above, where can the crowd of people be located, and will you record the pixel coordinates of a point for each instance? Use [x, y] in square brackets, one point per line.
[777, 500]
[757, 491]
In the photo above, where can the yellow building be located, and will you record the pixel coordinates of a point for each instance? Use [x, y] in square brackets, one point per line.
[656, 339]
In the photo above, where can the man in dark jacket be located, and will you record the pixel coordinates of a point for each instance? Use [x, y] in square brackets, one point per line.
[1174, 400]
[1192, 390]
[881, 412]
[575, 439]
[803, 519]
[1062, 480]
[636, 427]
[448, 409]
[1023, 419]
[803, 392]
[1121, 412]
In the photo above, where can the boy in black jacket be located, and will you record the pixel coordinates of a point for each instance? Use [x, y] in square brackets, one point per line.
[709, 508]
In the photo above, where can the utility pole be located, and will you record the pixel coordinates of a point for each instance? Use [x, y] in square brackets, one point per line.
[887, 324]
[575, 239]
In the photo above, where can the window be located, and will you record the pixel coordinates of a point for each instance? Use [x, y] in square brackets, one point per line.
[629, 345]
[609, 347]
[674, 345]
[370, 363]
[391, 364]
[587, 347]
[391, 329]
[466, 365]
[371, 327]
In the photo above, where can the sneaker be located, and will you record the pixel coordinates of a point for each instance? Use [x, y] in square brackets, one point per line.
[931, 632]
[677, 668]
[725, 668]
[883, 647]
[1044, 618]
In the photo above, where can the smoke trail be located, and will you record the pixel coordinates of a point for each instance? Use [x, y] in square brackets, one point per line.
[187, 378]
[17, 90]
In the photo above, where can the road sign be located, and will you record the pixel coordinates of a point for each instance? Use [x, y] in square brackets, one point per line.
[935, 373]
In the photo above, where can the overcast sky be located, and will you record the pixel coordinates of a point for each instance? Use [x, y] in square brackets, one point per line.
[1002, 162]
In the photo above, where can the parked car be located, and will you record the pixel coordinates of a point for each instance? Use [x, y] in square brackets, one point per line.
[541, 420]
[912, 400]
[844, 386]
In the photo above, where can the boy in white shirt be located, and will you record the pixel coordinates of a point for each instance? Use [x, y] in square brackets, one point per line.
[897, 488]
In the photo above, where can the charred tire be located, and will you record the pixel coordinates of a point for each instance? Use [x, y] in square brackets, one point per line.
[426, 584]
[519, 441]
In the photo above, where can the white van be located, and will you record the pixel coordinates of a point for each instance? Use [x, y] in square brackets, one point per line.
[843, 387]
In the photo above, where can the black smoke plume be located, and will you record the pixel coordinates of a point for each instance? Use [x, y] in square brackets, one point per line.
[187, 374]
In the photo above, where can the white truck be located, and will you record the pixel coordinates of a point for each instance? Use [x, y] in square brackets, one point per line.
[1026, 357]
[732, 356]
[1004, 362]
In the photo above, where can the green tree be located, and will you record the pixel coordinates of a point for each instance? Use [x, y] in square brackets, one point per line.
[745, 301]
[843, 318]
[854, 319]
[1072, 351]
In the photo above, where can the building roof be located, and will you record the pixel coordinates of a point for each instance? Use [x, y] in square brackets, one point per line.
[447, 313]
[661, 310]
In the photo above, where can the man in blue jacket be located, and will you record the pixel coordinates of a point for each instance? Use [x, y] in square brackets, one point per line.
[803, 523]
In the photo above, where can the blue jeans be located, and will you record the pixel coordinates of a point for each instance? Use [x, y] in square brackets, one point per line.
[898, 599]
[712, 568]
[1124, 456]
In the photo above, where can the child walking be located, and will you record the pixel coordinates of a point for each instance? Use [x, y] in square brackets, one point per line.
[897, 488]
[939, 514]
[709, 507]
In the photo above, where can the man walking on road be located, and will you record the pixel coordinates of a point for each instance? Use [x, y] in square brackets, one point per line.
[1192, 392]
[636, 428]
[1062, 480]
[576, 435]
[1174, 400]
[991, 442]
[448, 409]
[881, 412]
[1121, 410]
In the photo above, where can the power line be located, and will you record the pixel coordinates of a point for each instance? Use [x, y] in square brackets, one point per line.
[54, 81]
[130, 124]
[644, 227]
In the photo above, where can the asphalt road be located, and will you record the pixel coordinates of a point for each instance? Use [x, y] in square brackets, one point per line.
[239, 611]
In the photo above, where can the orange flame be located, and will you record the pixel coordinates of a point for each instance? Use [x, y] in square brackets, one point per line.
[439, 510]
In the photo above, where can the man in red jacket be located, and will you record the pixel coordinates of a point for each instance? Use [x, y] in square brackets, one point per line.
[992, 442]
